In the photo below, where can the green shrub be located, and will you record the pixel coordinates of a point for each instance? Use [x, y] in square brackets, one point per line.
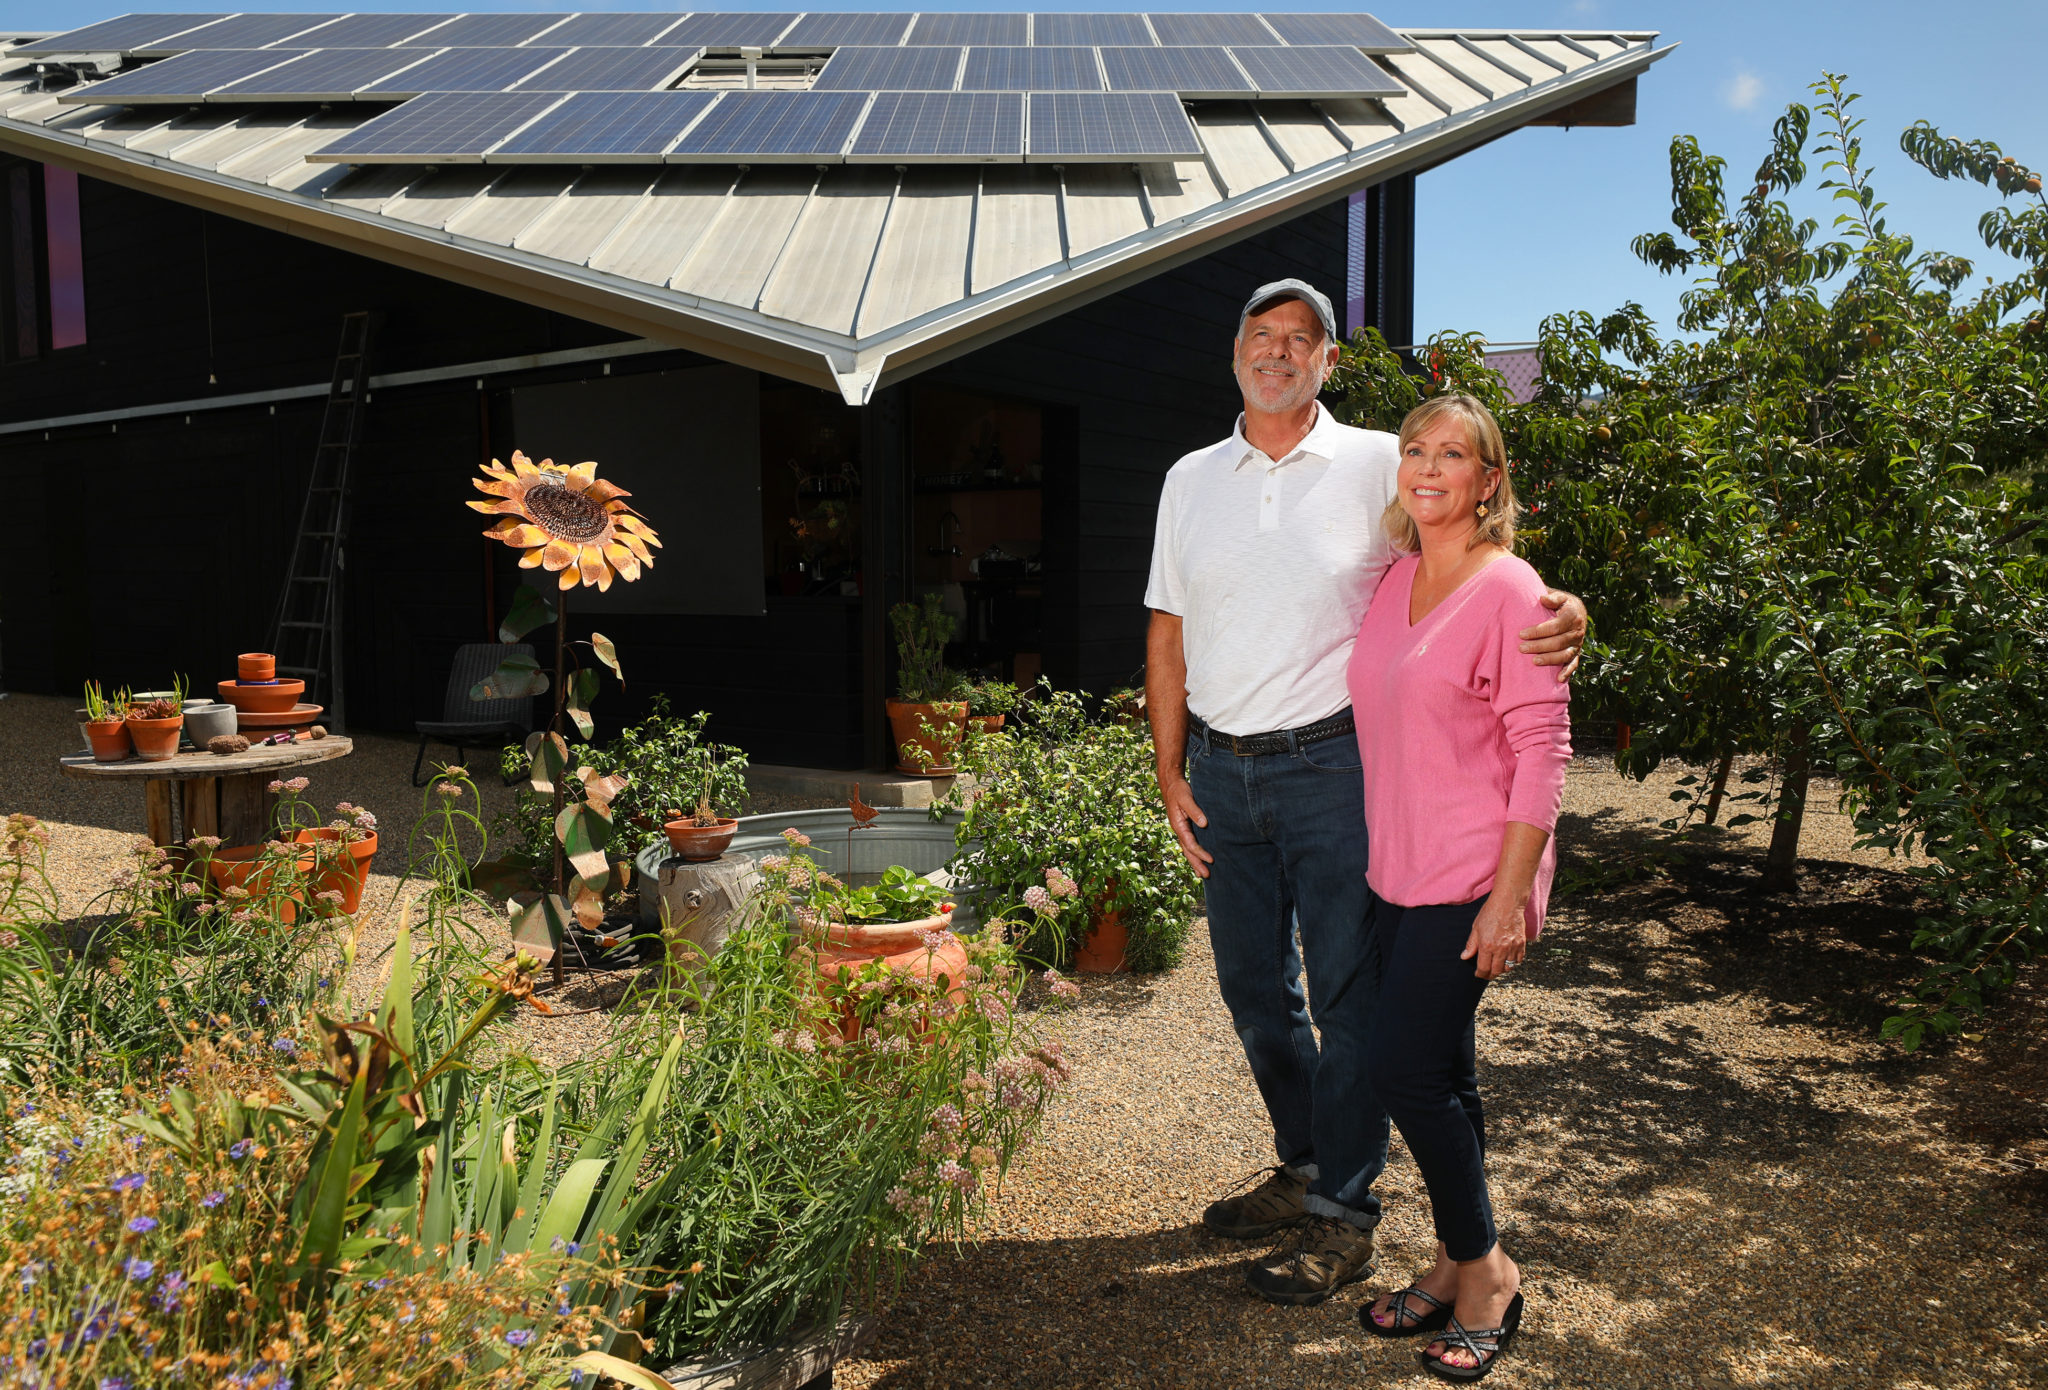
[1061, 788]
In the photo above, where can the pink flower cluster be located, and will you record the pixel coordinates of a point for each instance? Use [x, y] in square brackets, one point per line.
[1060, 884]
[1060, 986]
[795, 837]
[1040, 901]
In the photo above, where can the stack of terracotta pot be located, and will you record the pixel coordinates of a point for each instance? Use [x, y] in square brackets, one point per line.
[263, 703]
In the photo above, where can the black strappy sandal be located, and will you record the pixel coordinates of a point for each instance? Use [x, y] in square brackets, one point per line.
[1407, 1324]
[1486, 1347]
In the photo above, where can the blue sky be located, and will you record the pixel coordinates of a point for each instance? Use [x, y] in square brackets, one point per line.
[1541, 221]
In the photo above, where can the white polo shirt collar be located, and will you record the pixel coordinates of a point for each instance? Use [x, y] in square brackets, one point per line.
[1321, 441]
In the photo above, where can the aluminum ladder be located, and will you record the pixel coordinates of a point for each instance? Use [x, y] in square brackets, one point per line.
[307, 632]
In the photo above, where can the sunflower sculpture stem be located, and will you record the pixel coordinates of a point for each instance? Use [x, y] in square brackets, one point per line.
[555, 727]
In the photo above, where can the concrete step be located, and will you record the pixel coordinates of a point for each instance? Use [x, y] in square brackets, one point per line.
[832, 787]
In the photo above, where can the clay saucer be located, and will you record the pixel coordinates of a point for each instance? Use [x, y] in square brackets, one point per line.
[297, 717]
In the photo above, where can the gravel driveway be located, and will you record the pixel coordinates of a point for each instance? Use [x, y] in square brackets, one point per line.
[1710, 1171]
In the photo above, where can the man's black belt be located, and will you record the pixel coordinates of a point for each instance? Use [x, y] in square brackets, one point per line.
[1279, 741]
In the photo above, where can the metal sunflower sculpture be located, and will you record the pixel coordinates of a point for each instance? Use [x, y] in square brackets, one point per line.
[567, 520]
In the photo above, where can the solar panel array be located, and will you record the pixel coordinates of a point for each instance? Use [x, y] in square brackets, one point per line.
[598, 88]
[155, 34]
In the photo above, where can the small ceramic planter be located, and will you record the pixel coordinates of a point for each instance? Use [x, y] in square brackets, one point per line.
[700, 844]
[256, 666]
[208, 721]
[341, 872]
[108, 740]
[156, 740]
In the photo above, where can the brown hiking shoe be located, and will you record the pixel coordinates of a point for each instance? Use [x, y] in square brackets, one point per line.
[1319, 1257]
[1273, 1205]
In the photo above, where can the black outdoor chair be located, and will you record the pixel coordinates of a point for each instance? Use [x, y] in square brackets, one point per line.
[465, 723]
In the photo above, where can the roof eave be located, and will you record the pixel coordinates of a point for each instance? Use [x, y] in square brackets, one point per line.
[853, 367]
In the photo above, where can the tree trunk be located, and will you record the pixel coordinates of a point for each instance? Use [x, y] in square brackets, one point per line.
[1781, 863]
[1720, 785]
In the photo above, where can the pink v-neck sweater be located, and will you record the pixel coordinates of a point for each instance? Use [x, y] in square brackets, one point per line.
[1460, 733]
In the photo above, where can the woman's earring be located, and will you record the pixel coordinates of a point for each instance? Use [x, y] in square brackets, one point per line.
[1482, 509]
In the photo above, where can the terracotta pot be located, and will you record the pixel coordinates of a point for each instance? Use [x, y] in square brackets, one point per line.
[236, 866]
[1102, 949]
[341, 873]
[156, 740]
[947, 720]
[699, 844]
[109, 740]
[274, 698]
[986, 723]
[844, 949]
[256, 666]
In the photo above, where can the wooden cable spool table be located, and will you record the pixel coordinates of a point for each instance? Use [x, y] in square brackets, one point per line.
[212, 793]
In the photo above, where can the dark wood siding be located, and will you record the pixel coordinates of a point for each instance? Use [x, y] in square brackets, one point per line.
[158, 544]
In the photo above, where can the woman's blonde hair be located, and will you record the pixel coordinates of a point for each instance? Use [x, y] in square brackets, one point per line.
[1482, 432]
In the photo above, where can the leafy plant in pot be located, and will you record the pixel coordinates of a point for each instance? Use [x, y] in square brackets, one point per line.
[155, 727]
[928, 717]
[1069, 787]
[106, 723]
[990, 704]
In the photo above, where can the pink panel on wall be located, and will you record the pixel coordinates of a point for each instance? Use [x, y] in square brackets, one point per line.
[66, 257]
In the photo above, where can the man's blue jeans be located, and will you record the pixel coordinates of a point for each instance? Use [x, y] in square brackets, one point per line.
[1288, 834]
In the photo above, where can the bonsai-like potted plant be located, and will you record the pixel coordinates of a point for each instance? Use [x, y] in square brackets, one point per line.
[702, 835]
[928, 717]
[346, 845]
[155, 727]
[106, 723]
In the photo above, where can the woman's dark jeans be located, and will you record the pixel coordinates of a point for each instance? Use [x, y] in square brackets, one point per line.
[1421, 1062]
[1288, 833]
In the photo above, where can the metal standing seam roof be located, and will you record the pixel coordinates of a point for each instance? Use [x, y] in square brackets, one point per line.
[847, 276]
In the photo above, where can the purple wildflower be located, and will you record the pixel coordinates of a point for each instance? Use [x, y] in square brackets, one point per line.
[138, 1270]
[519, 1336]
[142, 1225]
[213, 1199]
[130, 1182]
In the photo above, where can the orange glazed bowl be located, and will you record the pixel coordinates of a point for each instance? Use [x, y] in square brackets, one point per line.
[263, 699]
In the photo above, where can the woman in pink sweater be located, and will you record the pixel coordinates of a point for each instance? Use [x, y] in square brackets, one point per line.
[1464, 745]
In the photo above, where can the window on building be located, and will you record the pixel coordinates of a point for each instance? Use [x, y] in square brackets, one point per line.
[42, 262]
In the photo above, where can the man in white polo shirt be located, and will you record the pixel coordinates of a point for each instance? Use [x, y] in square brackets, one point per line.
[1268, 550]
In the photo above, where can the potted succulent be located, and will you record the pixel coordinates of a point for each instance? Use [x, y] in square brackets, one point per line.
[928, 717]
[106, 723]
[990, 703]
[156, 726]
[344, 848]
[702, 835]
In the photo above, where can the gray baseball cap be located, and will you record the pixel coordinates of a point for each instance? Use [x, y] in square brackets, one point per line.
[1265, 295]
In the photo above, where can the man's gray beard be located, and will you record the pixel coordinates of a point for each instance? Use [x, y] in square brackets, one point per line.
[1306, 386]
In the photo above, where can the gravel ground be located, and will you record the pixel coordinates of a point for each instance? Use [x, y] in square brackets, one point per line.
[1709, 1171]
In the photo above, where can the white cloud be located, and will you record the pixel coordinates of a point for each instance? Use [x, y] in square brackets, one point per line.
[1742, 90]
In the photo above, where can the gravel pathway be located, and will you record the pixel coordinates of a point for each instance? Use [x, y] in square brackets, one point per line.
[1710, 1172]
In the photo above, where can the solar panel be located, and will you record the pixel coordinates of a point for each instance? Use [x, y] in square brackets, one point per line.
[467, 70]
[252, 31]
[607, 127]
[185, 78]
[613, 69]
[1058, 29]
[1192, 72]
[834, 30]
[376, 30]
[124, 35]
[890, 70]
[630, 29]
[1121, 126]
[495, 30]
[787, 127]
[1351, 30]
[332, 74]
[941, 127]
[1031, 70]
[1210, 29]
[729, 29]
[445, 128]
[1317, 72]
[971, 29]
